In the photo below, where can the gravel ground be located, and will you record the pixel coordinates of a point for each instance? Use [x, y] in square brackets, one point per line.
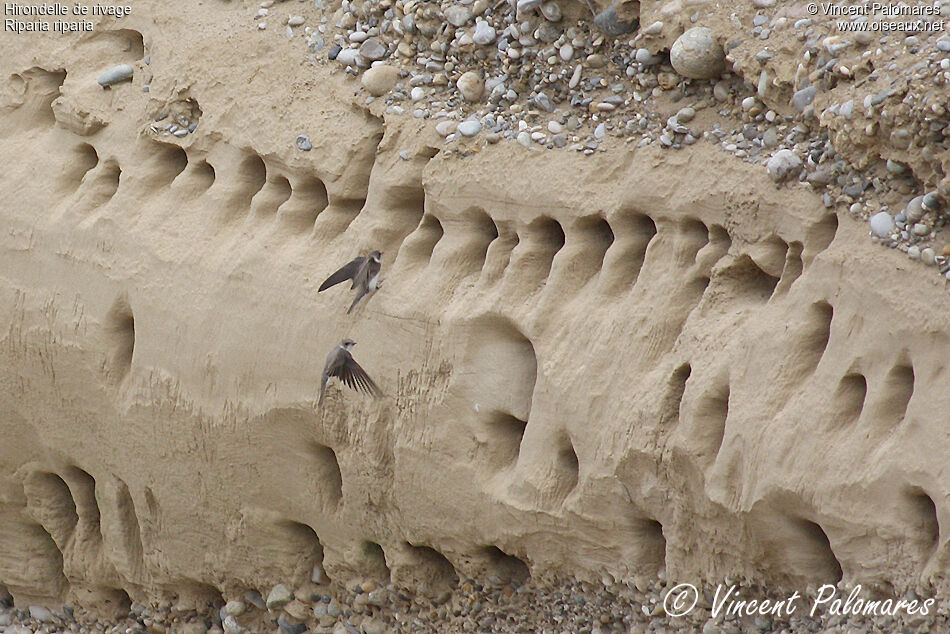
[367, 607]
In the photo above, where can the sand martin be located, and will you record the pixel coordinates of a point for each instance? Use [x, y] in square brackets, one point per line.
[364, 271]
[340, 364]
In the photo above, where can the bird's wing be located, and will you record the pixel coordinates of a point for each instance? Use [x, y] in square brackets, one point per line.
[363, 273]
[345, 273]
[356, 378]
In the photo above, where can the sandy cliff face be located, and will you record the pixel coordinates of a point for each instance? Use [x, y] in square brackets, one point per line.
[596, 366]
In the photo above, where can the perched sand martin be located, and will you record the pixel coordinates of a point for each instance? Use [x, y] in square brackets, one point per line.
[364, 271]
[340, 364]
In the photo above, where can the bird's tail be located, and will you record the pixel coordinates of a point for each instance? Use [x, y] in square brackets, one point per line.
[356, 300]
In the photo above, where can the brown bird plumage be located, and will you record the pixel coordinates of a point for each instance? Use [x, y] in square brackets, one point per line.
[340, 364]
[364, 271]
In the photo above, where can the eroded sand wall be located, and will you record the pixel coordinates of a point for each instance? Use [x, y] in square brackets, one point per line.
[600, 366]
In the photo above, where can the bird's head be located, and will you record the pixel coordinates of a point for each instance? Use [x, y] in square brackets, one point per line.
[375, 256]
[346, 344]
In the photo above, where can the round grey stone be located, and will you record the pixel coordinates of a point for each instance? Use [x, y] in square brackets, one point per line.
[914, 210]
[303, 143]
[469, 128]
[551, 11]
[783, 164]
[882, 224]
[696, 54]
[685, 115]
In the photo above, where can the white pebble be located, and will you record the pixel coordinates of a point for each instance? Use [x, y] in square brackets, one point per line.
[882, 224]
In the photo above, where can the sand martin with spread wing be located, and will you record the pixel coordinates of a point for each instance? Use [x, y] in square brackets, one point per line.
[340, 364]
[364, 271]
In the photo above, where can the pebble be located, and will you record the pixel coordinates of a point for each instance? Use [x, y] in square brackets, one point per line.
[380, 79]
[115, 75]
[783, 165]
[254, 598]
[303, 142]
[484, 34]
[289, 627]
[445, 128]
[914, 210]
[40, 613]
[524, 139]
[696, 54]
[685, 115]
[372, 49]
[234, 607]
[469, 128]
[279, 596]
[296, 20]
[349, 57]
[551, 11]
[721, 91]
[803, 98]
[523, 6]
[928, 257]
[882, 224]
[575, 77]
[600, 131]
[471, 85]
[458, 15]
[231, 626]
[544, 102]
[932, 201]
